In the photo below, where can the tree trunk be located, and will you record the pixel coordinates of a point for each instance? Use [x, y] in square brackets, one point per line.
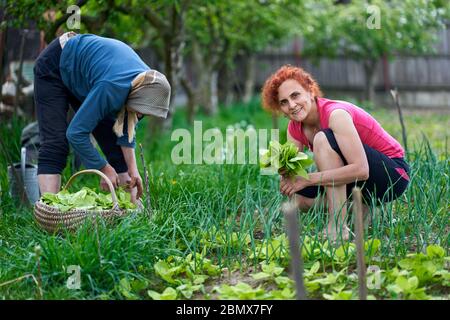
[370, 67]
[207, 89]
[225, 86]
[158, 125]
[249, 84]
[19, 96]
[3, 53]
[214, 97]
[191, 103]
[174, 42]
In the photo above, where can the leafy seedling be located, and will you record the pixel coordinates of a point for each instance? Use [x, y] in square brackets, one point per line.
[286, 159]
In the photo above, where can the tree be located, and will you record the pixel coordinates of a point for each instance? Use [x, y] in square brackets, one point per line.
[220, 31]
[167, 21]
[367, 31]
[49, 15]
[159, 24]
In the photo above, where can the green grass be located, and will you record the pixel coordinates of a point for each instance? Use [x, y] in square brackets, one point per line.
[228, 213]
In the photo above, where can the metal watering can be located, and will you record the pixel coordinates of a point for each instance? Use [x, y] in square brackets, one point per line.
[28, 174]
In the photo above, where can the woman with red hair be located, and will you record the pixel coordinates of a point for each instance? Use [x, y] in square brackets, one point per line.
[350, 148]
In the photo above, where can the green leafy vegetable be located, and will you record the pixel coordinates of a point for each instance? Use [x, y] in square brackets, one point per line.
[87, 199]
[286, 157]
[241, 291]
[168, 294]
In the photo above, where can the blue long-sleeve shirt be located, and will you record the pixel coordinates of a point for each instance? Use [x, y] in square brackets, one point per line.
[99, 72]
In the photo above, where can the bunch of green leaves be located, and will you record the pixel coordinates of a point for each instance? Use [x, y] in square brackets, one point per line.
[276, 248]
[195, 268]
[128, 289]
[241, 291]
[86, 199]
[185, 275]
[429, 267]
[286, 158]
[407, 288]
[269, 271]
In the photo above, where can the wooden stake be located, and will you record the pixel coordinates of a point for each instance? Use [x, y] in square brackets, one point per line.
[359, 230]
[38, 251]
[146, 181]
[290, 214]
[97, 238]
[394, 94]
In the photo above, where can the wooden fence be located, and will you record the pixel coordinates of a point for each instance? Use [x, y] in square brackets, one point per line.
[425, 74]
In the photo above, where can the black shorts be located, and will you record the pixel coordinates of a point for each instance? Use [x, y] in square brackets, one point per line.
[388, 177]
[52, 100]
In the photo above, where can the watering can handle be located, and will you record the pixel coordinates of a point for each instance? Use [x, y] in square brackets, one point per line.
[23, 161]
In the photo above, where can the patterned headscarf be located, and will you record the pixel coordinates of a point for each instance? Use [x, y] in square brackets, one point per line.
[149, 95]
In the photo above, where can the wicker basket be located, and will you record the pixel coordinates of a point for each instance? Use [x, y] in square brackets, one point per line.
[53, 220]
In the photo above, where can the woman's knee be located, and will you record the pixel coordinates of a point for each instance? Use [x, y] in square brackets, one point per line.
[324, 154]
[52, 157]
[322, 145]
[320, 141]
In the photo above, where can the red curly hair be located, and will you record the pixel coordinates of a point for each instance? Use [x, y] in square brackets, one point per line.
[270, 89]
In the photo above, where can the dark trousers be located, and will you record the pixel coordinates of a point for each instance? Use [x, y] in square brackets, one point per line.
[388, 177]
[52, 99]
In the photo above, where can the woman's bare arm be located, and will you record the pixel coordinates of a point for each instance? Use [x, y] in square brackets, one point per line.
[294, 141]
[347, 137]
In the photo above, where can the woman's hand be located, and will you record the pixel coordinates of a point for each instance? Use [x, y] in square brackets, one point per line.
[133, 178]
[132, 183]
[111, 173]
[135, 182]
[289, 186]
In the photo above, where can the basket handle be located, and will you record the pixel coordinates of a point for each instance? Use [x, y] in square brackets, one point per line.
[101, 174]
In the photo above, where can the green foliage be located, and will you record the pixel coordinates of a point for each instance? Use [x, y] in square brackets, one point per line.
[215, 238]
[196, 270]
[286, 157]
[408, 287]
[406, 26]
[168, 294]
[188, 275]
[241, 291]
[340, 295]
[275, 248]
[269, 271]
[426, 268]
[87, 199]
[21, 13]
[236, 27]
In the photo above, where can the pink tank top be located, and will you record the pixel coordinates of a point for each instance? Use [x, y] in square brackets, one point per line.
[370, 131]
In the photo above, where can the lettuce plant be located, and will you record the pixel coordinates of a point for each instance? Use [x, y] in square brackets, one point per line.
[286, 158]
[86, 199]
